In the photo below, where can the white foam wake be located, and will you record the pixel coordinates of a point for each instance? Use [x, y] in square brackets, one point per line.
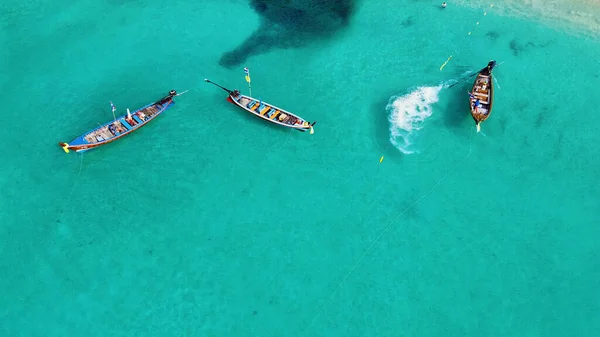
[407, 114]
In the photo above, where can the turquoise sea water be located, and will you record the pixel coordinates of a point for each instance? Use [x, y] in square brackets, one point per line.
[209, 222]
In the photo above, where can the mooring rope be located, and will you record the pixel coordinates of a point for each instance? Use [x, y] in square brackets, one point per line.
[455, 52]
[386, 228]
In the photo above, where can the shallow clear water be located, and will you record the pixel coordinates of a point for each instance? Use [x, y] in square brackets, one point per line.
[210, 222]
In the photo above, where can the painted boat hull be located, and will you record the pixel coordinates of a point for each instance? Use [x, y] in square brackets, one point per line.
[242, 102]
[90, 140]
[482, 90]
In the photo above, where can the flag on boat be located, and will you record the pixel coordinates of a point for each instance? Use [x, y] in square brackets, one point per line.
[247, 74]
[113, 107]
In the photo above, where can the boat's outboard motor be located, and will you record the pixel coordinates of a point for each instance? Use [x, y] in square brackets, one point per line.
[172, 93]
[491, 65]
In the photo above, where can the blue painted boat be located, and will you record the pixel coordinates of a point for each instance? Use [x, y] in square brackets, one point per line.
[121, 126]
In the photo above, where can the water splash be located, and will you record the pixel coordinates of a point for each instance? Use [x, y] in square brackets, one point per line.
[408, 113]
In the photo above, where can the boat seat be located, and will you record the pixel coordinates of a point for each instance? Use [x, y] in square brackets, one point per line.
[125, 124]
[250, 104]
[482, 110]
[137, 119]
[262, 112]
[255, 106]
[274, 114]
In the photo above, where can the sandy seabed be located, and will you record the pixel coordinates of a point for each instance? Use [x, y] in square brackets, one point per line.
[579, 14]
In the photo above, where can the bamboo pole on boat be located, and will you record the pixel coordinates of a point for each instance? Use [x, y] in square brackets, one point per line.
[213, 83]
[247, 71]
[113, 110]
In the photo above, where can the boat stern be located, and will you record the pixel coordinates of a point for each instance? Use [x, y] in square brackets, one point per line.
[65, 147]
[77, 148]
[168, 98]
[78, 144]
[312, 130]
[306, 126]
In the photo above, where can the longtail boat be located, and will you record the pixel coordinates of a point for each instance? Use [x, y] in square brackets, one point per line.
[120, 126]
[481, 97]
[267, 111]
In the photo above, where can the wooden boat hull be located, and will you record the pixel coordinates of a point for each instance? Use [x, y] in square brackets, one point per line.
[269, 112]
[120, 127]
[481, 96]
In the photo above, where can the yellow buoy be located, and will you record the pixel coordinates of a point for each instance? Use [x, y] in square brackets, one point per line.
[381, 159]
[443, 65]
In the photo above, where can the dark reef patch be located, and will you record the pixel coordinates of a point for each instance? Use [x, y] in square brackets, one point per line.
[290, 24]
[492, 35]
[541, 117]
[502, 122]
[517, 47]
[514, 46]
[408, 22]
[521, 105]
[558, 147]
